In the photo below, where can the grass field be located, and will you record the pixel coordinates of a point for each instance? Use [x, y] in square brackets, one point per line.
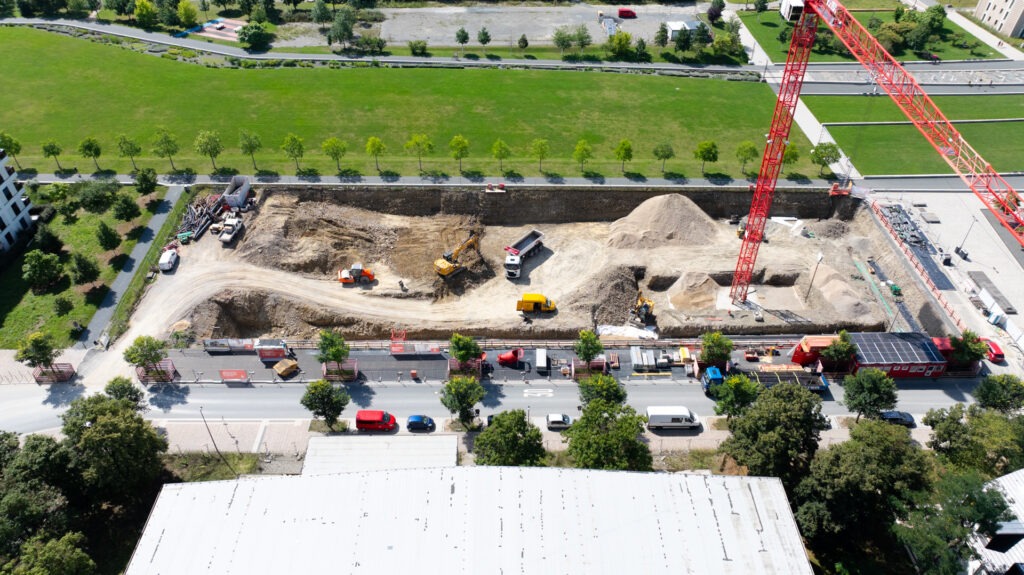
[71, 89]
[902, 149]
[766, 33]
[23, 312]
[881, 109]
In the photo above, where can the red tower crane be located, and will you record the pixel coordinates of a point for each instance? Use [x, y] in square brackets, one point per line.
[997, 195]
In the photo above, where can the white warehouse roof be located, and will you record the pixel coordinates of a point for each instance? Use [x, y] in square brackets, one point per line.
[326, 455]
[473, 520]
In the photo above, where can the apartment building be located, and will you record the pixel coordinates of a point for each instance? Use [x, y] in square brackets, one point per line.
[14, 217]
[1006, 16]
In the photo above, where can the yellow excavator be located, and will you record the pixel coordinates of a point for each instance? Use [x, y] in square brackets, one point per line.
[449, 265]
[643, 310]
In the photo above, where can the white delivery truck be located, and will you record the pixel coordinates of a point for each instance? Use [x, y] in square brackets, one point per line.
[671, 417]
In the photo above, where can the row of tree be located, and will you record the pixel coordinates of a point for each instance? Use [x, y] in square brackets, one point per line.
[209, 143]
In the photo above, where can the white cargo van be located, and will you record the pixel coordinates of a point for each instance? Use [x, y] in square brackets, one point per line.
[671, 417]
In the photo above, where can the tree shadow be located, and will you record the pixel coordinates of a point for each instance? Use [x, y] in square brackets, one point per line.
[635, 177]
[66, 172]
[361, 393]
[718, 178]
[675, 177]
[389, 175]
[529, 57]
[493, 394]
[27, 173]
[513, 176]
[436, 176]
[493, 57]
[770, 24]
[471, 56]
[308, 174]
[136, 233]
[350, 175]
[62, 394]
[153, 206]
[267, 176]
[223, 174]
[117, 262]
[473, 175]
[183, 176]
[595, 177]
[554, 178]
[108, 173]
[670, 57]
[96, 294]
[798, 178]
[165, 396]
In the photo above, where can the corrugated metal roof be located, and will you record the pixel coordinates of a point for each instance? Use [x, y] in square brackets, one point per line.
[473, 520]
[1012, 486]
[327, 455]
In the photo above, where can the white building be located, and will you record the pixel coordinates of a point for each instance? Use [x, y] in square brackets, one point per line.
[1006, 16]
[1003, 554]
[688, 26]
[14, 217]
[473, 520]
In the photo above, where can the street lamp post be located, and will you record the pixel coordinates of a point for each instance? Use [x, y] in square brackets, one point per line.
[969, 228]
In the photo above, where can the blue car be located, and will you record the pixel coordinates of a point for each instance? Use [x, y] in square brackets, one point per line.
[420, 423]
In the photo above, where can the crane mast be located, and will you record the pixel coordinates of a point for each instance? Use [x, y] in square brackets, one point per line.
[995, 193]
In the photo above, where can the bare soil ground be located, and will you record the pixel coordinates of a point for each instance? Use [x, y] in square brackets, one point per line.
[280, 277]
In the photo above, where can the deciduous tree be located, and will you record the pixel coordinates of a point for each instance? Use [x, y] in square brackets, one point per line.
[839, 353]
[47, 240]
[624, 152]
[419, 144]
[124, 389]
[715, 348]
[661, 36]
[483, 36]
[540, 149]
[83, 269]
[760, 6]
[334, 149]
[978, 438]
[746, 151]
[107, 236]
[791, 155]
[324, 400]
[462, 38]
[1002, 392]
[145, 181]
[320, 14]
[51, 149]
[588, 346]
[10, 145]
[375, 147]
[250, 143]
[707, 151]
[778, 435]
[501, 152]
[119, 454]
[621, 45]
[37, 350]
[523, 43]
[464, 348]
[125, 208]
[96, 196]
[459, 395]
[188, 15]
[342, 29]
[57, 556]
[735, 395]
[254, 35]
[684, 41]
[331, 347]
[90, 148]
[869, 392]
[581, 38]
[459, 148]
[44, 459]
[145, 14]
[824, 154]
[582, 152]
[41, 270]
[509, 440]
[128, 148]
[28, 508]
[600, 386]
[968, 347]
[293, 148]
[664, 152]
[562, 38]
[146, 352]
[165, 144]
[208, 143]
[608, 436]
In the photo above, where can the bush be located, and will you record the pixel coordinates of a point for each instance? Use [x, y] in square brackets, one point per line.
[46, 240]
[370, 16]
[418, 47]
[62, 305]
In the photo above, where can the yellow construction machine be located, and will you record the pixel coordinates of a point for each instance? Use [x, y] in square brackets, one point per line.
[449, 265]
[643, 310]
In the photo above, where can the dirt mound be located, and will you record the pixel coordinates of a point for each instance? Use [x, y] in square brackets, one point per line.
[671, 219]
[829, 229]
[607, 302]
[694, 291]
[838, 292]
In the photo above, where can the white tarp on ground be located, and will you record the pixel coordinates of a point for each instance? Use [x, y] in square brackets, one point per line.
[626, 331]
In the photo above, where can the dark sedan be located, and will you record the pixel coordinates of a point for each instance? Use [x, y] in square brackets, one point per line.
[420, 423]
[898, 418]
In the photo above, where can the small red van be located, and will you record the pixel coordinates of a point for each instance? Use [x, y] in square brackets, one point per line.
[626, 13]
[995, 353]
[375, 420]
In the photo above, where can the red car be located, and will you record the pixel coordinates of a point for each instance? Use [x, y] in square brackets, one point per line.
[626, 13]
[995, 353]
[375, 420]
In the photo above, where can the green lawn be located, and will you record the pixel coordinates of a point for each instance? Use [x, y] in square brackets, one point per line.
[23, 312]
[881, 109]
[766, 33]
[71, 89]
[871, 148]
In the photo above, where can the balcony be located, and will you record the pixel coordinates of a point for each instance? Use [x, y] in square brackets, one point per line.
[10, 171]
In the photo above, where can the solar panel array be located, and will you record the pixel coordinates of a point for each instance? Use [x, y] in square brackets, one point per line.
[883, 348]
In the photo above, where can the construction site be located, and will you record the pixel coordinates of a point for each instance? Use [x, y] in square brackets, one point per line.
[599, 251]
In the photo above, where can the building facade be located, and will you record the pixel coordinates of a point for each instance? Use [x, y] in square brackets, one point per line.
[1006, 16]
[14, 216]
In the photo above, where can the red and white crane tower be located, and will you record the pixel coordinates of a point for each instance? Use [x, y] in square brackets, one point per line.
[997, 195]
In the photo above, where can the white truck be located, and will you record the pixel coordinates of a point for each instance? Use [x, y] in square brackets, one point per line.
[523, 248]
[230, 231]
[671, 417]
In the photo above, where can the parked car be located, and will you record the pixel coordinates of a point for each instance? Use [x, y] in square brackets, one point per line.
[627, 13]
[375, 420]
[168, 260]
[420, 423]
[995, 353]
[898, 418]
[558, 421]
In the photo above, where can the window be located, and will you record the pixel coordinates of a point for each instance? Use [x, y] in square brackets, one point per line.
[3, 224]
[10, 238]
[917, 369]
[16, 208]
[7, 194]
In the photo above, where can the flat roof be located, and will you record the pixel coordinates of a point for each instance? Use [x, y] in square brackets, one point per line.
[341, 454]
[1012, 486]
[473, 520]
[895, 348]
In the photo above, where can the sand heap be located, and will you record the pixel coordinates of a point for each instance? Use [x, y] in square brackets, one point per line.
[837, 291]
[694, 291]
[671, 219]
